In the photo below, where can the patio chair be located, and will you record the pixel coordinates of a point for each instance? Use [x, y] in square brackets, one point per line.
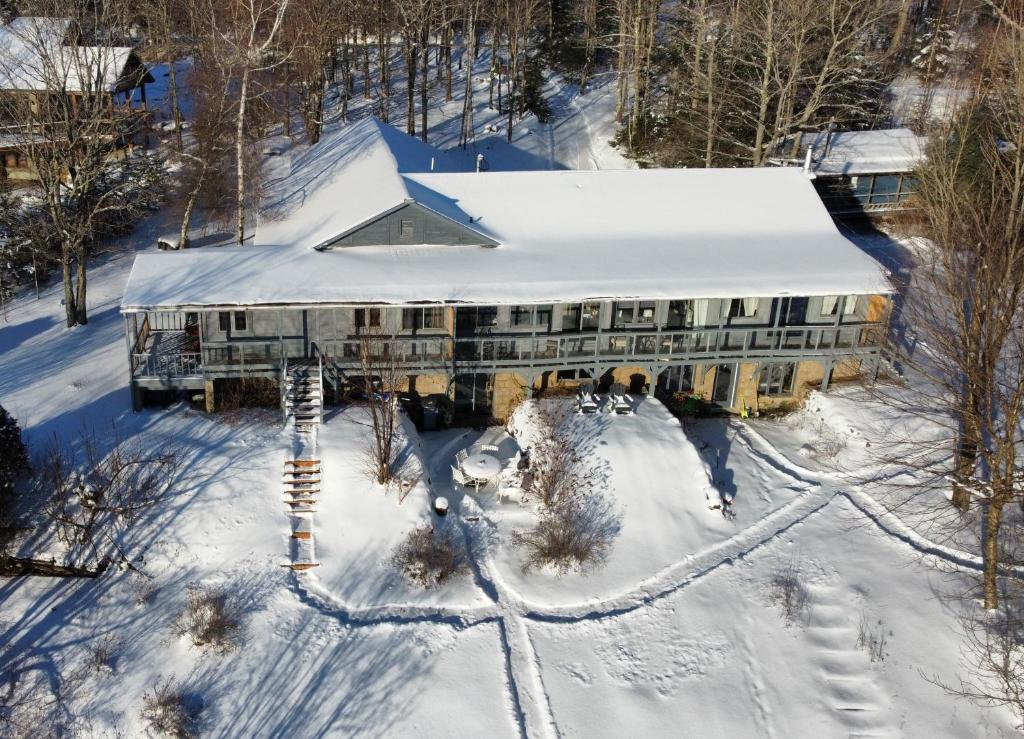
[460, 456]
[585, 398]
[462, 478]
[489, 449]
[619, 405]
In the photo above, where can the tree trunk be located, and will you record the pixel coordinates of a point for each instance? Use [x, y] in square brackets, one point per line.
[410, 87]
[81, 315]
[467, 100]
[240, 158]
[175, 107]
[495, 70]
[990, 575]
[70, 314]
[190, 204]
[448, 65]
[764, 96]
[366, 66]
[424, 80]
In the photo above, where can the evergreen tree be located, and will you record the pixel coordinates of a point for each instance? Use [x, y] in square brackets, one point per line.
[13, 455]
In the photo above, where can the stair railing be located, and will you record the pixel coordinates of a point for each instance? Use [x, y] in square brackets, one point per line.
[284, 386]
[320, 382]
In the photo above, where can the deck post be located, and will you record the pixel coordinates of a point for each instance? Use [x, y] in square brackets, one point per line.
[132, 388]
[826, 378]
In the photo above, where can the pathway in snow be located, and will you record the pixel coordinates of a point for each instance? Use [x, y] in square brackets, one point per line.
[846, 672]
[850, 690]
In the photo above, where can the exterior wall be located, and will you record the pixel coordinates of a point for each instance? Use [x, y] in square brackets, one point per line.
[514, 357]
[425, 384]
[408, 225]
[510, 388]
[877, 308]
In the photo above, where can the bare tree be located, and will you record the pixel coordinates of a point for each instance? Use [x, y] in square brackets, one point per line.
[967, 307]
[242, 37]
[62, 118]
[94, 498]
[382, 378]
[576, 524]
[314, 28]
[750, 75]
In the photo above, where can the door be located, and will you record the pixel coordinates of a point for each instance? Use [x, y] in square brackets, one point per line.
[473, 394]
[722, 391]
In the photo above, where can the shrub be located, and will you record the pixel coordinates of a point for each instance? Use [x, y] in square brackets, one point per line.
[211, 618]
[431, 556]
[246, 392]
[871, 638]
[573, 533]
[789, 593]
[103, 654]
[169, 711]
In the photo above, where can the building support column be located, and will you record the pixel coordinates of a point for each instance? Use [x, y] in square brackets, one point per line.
[209, 395]
[826, 378]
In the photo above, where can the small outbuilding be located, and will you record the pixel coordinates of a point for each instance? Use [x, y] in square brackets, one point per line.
[863, 172]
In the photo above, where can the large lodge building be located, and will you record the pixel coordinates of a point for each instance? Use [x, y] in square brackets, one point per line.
[734, 284]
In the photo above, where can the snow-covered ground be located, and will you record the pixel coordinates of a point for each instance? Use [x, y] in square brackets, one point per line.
[681, 633]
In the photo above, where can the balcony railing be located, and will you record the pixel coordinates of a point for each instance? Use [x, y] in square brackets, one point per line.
[551, 350]
[185, 364]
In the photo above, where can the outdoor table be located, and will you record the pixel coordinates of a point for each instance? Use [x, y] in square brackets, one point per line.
[481, 466]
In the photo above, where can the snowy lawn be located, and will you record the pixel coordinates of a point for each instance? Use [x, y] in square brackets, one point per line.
[358, 523]
[656, 478]
[716, 656]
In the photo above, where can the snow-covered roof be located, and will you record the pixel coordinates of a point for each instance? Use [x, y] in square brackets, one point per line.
[866, 152]
[562, 236]
[35, 57]
[352, 174]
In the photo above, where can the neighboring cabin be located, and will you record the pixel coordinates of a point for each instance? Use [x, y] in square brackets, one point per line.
[43, 64]
[865, 172]
[731, 284]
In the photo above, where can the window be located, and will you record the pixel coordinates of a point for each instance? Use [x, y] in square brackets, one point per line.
[487, 316]
[793, 311]
[522, 315]
[571, 317]
[680, 314]
[367, 317]
[743, 307]
[433, 317]
[885, 188]
[591, 316]
[417, 318]
[543, 317]
[471, 319]
[830, 305]
[623, 313]
[407, 228]
[777, 379]
[240, 320]
[645, 312]
[224, 321]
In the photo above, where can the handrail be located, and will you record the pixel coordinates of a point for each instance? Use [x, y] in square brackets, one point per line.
[320, 381]
[183, 364]
[283, 389]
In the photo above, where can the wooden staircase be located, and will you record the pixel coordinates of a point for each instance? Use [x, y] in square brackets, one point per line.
[301, 491]
[304, 396]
